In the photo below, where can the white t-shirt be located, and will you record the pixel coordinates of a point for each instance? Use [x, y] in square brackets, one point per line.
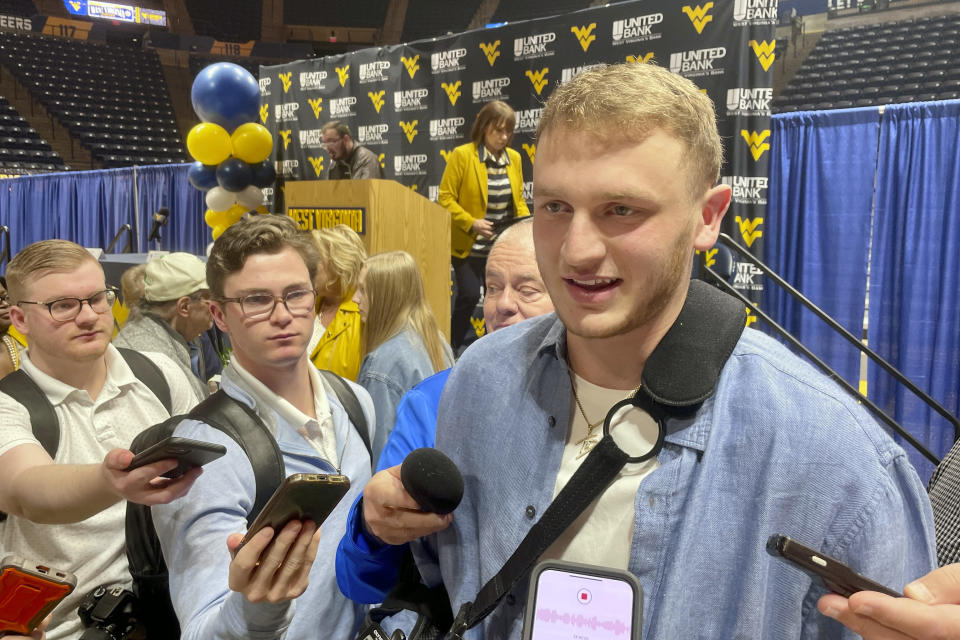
[603, 533]
[93, 549]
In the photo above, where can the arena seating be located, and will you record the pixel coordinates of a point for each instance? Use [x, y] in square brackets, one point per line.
[357, 13]
[512, 11]
[197, 63]
[18, 8]
[906, 61]
[434, 18]
[21, 147]
[113, 99]
[232, 21]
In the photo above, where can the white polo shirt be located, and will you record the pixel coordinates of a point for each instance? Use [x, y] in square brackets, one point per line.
[94, 548]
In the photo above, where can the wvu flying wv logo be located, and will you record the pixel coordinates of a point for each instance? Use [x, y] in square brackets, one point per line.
[409, 128]
[478, 327]
[445, 154]
[376, 99]
[380, 159]
[749, 230]
[531, 150]
[453, 90]
[765, 52]
[585, 35]
[285, 134]
[538, 78]
[317, 164]
[710, 257]
[76, 5]
[343, 73]
[317, 106]
[285, 78]
[644, 57]
[411, 64]
[756, 140]
[699, 15]
[751, 318]
[491, 50]
[264, 113]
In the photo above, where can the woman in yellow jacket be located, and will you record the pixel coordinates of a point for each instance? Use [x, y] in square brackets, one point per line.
[482, 187]
[337, 341]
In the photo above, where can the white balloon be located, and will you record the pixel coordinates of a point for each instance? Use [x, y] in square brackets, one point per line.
[219, 199]
[251, 197]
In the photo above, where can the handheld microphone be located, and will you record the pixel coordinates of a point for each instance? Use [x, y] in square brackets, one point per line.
[159, 219]
[433, 480]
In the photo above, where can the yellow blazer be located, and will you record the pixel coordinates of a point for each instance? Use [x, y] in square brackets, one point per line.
[463, 192]
[341, 347]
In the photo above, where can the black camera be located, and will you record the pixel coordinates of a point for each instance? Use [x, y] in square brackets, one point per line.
[108, 613]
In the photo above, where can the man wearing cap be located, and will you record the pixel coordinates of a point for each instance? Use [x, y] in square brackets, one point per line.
[174, 311]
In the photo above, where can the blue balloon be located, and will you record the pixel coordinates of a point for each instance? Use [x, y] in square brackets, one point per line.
[234, 174]
[264, 174]
[226, 94]
[202, 176]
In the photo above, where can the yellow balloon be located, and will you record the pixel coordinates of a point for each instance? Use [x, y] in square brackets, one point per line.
[217, 230]
[252, 142]
[215, 218]
[234, 213]
[262, 210]
[209, 143]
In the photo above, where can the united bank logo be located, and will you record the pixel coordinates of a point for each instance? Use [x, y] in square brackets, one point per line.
[377, 99]
[699, 15]
[287, 168]
[568, 74]
[531, 150]
[585, 35]
[264, 84]
[411, 64]
[410, 165]
[317, 164]
[410, 129]
[316, 104]
[372, 134]
[285, 136]
[754, 12]
[264, 112]
[491, 50]
[528, 120]
[446, 61]
[531, 47]
[528, 192]
[698, 62]
[285, 79]
[747, 189]
[764, 51]
[434, 192]
[756, 141]
[313, 80]
[374, 71]
[747, 276]
[446, 128]
[742, 101]
[343, 107]
[410, 100]
[538, 78]
[310, 138]
[641, 58]
[750, 229]
[492, 89]
[286, 111]
[637, 29]
[453, 91]
[343, 74]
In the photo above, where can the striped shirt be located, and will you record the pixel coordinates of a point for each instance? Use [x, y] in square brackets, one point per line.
[499, 196]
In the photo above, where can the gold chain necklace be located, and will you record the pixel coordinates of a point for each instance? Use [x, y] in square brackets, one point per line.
[12, 351]
[589, 441]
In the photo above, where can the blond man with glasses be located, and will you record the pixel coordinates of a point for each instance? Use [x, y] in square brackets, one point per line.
[68, 510]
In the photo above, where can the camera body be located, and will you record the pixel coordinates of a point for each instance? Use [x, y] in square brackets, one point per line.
[108, 613]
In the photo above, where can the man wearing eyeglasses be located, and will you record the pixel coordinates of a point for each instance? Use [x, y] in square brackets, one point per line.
[68, 511]
[348, 160]
[280, 583]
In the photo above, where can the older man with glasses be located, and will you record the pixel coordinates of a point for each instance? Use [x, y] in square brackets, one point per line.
[67, 510]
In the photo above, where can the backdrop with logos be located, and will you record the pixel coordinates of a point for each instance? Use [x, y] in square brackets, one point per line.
[412, 104]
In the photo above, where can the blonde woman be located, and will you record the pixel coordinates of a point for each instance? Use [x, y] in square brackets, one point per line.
[337, 341]
[403, 342]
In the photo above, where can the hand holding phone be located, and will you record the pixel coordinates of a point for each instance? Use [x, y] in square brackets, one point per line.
[835, 576]
[28, 593]
[189, 453]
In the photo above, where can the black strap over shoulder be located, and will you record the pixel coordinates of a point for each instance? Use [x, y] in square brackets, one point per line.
[147, 372]
[241, 423]
[351, 405]
[46, 427]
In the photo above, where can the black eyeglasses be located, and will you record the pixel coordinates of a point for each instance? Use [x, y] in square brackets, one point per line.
[256, 306]
[66, 309]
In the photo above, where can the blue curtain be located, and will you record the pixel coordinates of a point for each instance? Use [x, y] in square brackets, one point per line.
[87, 207]
[818, 226]
[168, 186]
[914, 318]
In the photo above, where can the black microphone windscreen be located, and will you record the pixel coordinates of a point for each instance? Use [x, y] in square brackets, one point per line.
[432, 479]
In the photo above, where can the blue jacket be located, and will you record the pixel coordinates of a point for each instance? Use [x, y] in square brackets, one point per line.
[366, 571]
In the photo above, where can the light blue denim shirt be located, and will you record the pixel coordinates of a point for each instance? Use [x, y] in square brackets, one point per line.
[778, 448]
[193, 532]
[388, 372]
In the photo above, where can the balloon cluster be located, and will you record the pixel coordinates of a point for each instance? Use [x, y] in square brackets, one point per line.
[231, 149]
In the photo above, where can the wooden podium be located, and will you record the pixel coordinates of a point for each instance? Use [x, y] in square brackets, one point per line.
[388, 216]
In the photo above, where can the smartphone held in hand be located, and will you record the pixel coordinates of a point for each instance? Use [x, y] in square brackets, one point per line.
[28, 593]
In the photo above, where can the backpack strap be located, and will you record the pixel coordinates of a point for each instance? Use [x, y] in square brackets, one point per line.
[147, 372]
[351, 404]
[241, 423]
[46, 426]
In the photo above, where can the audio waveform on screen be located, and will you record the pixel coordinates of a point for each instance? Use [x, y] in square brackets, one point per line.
[617, 627]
